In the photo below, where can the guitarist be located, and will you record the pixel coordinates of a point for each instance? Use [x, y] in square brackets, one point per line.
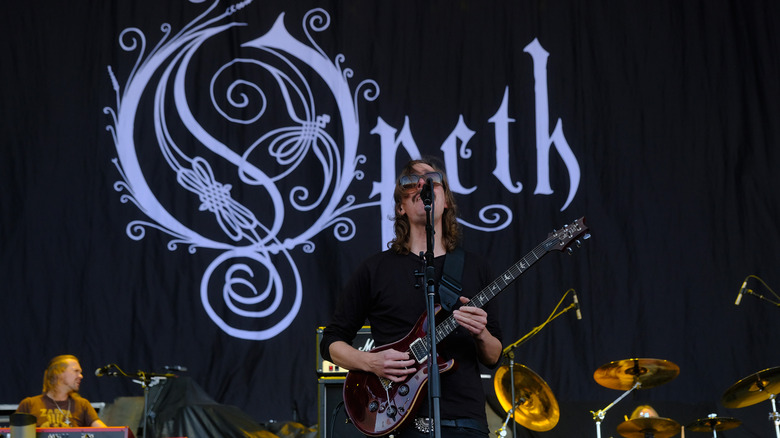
[386, 292]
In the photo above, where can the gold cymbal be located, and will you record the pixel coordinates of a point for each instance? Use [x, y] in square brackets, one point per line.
[639, 427]
[753, 389]
[537, 409]
[713, 423]
[624, 374]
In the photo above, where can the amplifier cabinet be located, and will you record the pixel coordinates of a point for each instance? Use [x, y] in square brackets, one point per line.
[77, 432]
[331, 416]
[362, 342]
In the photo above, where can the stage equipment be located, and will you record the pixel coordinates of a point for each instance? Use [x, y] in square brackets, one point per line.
[624, 374]
[713, 424]
[649, 427]
[530, 410]
[78, 432]
[331, 418]
[631, 374]
[535, 406]
[363, 342]
[743, 290]
[755, 388]
[144, 378]
[509, 353]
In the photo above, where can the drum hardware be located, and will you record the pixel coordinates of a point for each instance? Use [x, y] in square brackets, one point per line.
[649, 427]
[629, 375]
[535, 406]
[502, 431]
[756, 388]
[713, 424]
[533, 401]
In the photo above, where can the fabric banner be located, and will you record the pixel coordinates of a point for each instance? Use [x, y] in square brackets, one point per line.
[190, 183]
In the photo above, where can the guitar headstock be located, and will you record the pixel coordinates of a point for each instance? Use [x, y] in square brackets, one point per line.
[573, 233]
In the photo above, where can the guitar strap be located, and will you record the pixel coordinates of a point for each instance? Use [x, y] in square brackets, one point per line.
[450, 285]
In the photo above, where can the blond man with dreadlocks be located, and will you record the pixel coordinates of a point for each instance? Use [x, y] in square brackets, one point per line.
[60, 404]
[388, 291]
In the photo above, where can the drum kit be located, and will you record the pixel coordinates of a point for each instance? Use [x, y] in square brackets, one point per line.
[536, 408]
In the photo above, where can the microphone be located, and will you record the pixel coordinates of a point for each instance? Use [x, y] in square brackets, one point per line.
[105, 371]
[576, 304]
[742, 290]
[175, 368]
[426, 193]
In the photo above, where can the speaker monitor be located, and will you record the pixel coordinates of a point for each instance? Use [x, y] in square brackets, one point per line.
[332, 419]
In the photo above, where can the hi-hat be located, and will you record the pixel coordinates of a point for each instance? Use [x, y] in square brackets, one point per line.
[713, 424]
[753, 389]
[641, 427]
[624, 374]
[537, 409]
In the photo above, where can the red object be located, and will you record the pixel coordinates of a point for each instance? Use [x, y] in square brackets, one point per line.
[67, 432]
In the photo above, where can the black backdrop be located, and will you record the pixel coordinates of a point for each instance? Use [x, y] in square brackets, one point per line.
[670, 110]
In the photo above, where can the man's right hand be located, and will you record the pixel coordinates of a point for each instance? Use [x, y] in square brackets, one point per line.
[390, 364]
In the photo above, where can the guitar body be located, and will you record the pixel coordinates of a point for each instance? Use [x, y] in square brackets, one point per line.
[378, 406]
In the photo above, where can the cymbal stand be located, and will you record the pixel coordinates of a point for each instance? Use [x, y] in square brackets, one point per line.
[774, 416]
[509, 352]
[713, 423]
[598, 416]
[502, 431]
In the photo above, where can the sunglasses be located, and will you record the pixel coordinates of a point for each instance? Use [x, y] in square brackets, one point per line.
[410, 181]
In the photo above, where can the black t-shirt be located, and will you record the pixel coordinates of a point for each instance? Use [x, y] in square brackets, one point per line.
[385, 291]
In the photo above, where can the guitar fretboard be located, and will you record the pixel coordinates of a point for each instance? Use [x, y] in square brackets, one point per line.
[499, 284]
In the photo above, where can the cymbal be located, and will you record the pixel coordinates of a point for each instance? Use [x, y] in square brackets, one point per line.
[639, 427]
[713, 423]
[623, 374]
[753, 389]
[537, 409]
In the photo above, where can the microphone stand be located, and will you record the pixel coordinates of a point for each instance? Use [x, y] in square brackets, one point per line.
[434, 387]
[759, 296]
[147, 380]
[509, 353]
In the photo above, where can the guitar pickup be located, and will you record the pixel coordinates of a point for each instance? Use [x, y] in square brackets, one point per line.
[419, 350]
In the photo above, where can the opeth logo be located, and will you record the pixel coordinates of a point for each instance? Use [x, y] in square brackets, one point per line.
[254, 156]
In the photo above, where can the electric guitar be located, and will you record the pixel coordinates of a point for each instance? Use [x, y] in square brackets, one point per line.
[377, 406]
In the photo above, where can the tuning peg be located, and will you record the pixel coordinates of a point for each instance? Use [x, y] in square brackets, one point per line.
[570, 250]
[586, 236]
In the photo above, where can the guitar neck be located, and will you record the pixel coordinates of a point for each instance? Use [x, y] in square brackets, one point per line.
[499, 284]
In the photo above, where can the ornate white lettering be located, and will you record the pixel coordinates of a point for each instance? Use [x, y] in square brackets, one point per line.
[501, 120]
[545, 140]
[253, 276]
[452, 152]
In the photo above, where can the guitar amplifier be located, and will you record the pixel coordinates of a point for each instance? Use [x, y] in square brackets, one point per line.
[362, 342]
[76, 432]
[331, 417]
